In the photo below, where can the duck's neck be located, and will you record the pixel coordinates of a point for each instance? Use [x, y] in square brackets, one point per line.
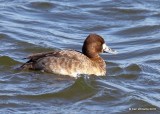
[91, 54]
[98, 59]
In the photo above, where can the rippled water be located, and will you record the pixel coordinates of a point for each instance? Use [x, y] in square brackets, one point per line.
[132, 83]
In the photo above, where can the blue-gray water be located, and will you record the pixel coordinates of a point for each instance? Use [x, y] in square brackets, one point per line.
[132, 83]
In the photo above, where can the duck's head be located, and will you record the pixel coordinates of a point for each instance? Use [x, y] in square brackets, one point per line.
[94, 45]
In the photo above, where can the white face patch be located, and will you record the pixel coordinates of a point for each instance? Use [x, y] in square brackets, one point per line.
[108, 49]
[104, 47]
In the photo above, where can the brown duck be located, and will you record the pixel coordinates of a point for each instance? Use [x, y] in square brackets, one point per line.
[71, 62]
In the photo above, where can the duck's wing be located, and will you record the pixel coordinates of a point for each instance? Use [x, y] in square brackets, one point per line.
[67, 54]
[71, 54]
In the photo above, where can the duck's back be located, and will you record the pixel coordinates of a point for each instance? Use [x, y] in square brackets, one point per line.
[64, 62]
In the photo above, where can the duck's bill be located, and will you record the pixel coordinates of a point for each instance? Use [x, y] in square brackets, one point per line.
[108, 49]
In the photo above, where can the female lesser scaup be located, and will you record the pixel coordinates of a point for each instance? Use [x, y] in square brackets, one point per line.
[71, 62]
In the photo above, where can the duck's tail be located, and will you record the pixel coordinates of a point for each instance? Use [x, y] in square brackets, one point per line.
[26, 66]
